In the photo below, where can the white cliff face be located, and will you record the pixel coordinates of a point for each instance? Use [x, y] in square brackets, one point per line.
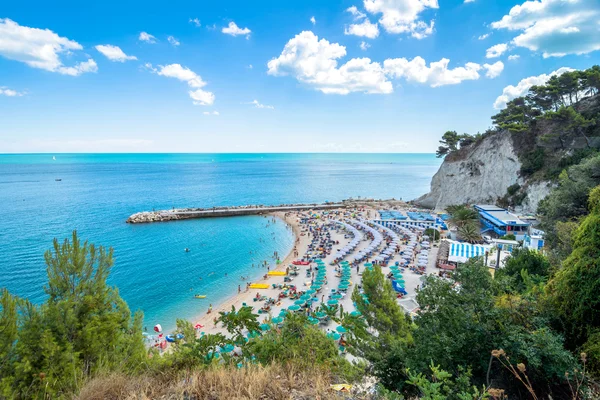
[481, 176]
[536, 192]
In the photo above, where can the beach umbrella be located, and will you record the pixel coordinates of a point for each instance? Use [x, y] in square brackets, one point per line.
[316, 287]
[294, 307]
[401, 282]
[334, 335]
[300, 302]
[253, 334]
[228, 348]
[311, 291]
[265, 327]
[336, 296]
[283, 313]
[355, 313]
[368, 264]
[343, 287]
[341, 329]
[305, 297]
[313, 321]
[320, 314]
[277, 320]
[332, 303]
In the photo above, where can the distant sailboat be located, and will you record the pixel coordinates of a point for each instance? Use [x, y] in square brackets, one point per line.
[54, 158]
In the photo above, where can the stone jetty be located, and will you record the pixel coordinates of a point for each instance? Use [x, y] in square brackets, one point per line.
[190, 213]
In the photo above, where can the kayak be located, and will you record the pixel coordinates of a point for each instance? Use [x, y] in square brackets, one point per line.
[200, 296]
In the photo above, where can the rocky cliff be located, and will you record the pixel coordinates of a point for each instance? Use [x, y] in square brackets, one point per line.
[482, 174]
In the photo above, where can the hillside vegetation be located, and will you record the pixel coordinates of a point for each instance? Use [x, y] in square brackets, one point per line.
[553, 127]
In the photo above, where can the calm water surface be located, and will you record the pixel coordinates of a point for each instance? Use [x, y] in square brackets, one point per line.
[153, 272]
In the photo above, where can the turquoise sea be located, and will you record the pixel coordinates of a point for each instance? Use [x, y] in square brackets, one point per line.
[152, 271]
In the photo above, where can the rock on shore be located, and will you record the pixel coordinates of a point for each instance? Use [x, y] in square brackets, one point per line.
[152, 216]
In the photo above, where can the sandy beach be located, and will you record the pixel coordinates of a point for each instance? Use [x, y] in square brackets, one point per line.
[302, 242]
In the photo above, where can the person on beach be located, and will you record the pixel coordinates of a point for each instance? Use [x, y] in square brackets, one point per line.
[209, 309]
[239, 288]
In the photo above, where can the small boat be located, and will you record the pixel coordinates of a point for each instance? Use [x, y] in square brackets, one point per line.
[187, 250]
[200, 296]
[58, 179]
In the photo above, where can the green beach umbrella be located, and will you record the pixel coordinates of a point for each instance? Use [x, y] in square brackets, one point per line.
[336, 296]
[341, 329]
[294, 307]
[332, 303]
[277, 320]
[265, 327]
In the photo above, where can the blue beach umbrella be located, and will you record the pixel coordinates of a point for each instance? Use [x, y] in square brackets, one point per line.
[228, 348]
[294, 307]
[341, 329]
[265, 327]
[300, 302]
[355, 313]
[334, 335]
[332, 303]
[277, 320]
[336, 296]
[313, 321]
[320, 314]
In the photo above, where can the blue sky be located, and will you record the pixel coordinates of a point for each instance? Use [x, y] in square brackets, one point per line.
[260, 76]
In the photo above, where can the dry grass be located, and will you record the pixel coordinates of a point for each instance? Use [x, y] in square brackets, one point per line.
[273, 382]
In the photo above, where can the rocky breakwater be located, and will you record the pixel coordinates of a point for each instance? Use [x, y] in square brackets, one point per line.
[189, 213]
[152, 216]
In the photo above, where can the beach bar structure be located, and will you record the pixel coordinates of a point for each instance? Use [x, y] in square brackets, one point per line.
[501, 222]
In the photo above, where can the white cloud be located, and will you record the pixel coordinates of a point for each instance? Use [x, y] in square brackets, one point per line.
[210, 113]
[494, 70]
[402, 16]
[358, 15]
[234, 30]
[194, 81]
[257, 104]
[496, 50]
[364, 45]
[512, 92]
[196, 22]
[313, 20]
[314, 63]
[146, 37]
[364, 29]
[250, 66]
[4, 91]
[114, 53]
[469, 1]
[437, 74]
[513, 57]
[40, 48]
[484, 36]
[173, 41]
[555, 27]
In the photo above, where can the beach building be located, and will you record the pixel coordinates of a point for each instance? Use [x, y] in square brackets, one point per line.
[501, 222]
[390, 218]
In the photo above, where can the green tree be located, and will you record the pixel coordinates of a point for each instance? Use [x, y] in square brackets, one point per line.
[236, 322]
[534, 263]
[575, 287]
[449, 143]
[83, 328]
[470, 232]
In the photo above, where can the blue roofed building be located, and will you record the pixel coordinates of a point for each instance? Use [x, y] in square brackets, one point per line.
[501, 222]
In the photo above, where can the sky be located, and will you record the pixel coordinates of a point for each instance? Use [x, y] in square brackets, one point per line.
[385, 76]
